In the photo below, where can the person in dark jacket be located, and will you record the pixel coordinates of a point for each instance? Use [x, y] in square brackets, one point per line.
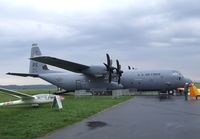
[186, 87]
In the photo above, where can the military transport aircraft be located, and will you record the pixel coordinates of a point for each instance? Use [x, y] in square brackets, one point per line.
[35, 100]
[101, 77]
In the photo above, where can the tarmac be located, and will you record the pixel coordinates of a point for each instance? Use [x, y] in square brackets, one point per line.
[143, 117]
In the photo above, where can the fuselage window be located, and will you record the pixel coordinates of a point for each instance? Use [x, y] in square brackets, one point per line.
[156, 74]
[147, 74]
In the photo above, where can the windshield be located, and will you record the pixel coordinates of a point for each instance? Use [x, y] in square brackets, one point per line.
[177, 73]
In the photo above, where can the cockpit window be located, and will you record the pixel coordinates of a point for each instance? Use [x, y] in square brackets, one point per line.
[177, 73]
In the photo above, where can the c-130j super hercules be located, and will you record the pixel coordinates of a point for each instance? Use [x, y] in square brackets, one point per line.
[101, 77]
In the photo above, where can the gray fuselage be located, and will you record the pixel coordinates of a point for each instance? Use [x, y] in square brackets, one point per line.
[145, 80]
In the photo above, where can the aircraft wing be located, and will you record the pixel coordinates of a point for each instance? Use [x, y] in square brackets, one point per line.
[16, 94]
[67, 65]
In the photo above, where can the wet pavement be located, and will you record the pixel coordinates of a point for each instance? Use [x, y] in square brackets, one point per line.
[144, 117]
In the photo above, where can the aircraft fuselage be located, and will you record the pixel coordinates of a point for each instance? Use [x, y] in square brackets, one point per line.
[154, 80]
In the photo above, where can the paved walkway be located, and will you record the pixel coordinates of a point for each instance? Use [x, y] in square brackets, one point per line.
[140, 118]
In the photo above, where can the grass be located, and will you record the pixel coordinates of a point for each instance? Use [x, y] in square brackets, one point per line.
[26, 122]
[197, 85]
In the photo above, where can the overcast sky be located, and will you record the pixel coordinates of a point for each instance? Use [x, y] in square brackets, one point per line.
[146, 34]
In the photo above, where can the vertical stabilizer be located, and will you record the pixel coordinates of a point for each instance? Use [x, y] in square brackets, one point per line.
[36, 67]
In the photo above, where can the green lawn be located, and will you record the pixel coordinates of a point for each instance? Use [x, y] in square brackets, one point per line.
[24, 122]
[197, 85]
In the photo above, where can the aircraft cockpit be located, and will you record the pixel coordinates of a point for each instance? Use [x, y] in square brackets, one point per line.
[177, 74]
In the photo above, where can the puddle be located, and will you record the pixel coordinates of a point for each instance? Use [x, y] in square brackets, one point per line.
[96, 124]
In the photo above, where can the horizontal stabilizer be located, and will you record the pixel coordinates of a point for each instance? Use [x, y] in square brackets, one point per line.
[23, 74]
[67, 65]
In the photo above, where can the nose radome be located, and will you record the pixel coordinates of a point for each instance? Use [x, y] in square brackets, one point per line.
[187, 80]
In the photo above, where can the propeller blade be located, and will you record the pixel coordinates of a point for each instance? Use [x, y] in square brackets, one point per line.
[106, 66]
[119, 80]
[108, 59]
[119, 71]
[109, 67]
[118, 66]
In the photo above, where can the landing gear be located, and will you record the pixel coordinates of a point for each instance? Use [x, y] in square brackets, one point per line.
[170, 92]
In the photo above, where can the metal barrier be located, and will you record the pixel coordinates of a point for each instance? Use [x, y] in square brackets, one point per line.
[123, 92]
[79, 93]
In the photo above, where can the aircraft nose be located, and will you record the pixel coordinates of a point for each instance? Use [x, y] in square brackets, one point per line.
[187, 80]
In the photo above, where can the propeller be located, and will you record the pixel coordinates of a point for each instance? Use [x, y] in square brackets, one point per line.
[119, 71]
[109, 67]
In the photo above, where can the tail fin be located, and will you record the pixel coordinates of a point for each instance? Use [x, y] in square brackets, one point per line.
[37, 67]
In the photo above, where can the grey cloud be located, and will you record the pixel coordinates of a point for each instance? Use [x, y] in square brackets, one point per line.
[164, 35]
[182, 10]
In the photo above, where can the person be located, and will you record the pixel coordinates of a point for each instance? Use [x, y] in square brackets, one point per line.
[186, 87]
